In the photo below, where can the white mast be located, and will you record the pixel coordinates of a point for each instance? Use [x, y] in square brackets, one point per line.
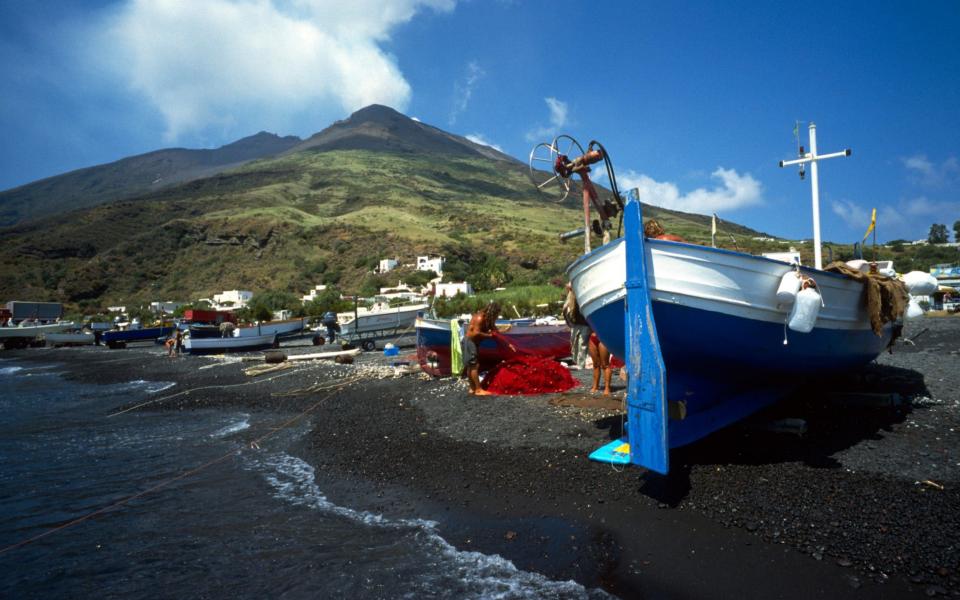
[812, 157]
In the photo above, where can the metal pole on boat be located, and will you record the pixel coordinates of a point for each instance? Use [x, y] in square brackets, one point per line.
[586, 223]
[815, 191]
[812, 157]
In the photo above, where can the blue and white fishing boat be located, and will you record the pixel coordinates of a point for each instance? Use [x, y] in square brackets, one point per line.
[709, 335]
[722, 333]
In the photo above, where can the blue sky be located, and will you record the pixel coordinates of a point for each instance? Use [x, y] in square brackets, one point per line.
[696, 102]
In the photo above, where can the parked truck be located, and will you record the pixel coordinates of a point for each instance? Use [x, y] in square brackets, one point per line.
[42, 312]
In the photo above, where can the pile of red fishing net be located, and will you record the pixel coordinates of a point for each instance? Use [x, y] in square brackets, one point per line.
[525, 374]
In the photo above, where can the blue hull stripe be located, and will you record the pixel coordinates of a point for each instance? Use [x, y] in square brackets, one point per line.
[724, 368]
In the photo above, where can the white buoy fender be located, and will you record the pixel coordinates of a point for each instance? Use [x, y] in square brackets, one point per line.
[913, 309]
[789, 286]
[919, 283]
[805, 310]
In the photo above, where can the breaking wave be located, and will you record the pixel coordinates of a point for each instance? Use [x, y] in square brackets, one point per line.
[472, 574]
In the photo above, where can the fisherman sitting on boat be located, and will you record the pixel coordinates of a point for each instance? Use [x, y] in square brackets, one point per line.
[654, 230]
[483, 325]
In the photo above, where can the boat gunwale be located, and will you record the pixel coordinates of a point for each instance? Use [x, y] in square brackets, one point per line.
[709, 249]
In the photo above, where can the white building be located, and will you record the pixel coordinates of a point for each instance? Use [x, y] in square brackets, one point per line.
[401, 290]
[117, 309]
[449, 290]
[164, 308]
[430, 263]
[312, 294]
[231, 299]
[387, 264]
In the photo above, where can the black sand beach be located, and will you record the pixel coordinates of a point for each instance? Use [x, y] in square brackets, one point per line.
[866, 503]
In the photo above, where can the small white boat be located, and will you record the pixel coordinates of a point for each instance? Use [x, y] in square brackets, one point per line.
[280, 328]
[25, 330]
[69, 338]
[372, 321]
[236, 343]
[21, 335]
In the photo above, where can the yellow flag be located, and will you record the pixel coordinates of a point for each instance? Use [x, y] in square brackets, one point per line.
[873, 223]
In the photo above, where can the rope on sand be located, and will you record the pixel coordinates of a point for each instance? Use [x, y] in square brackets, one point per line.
[317, 387]
[264, 369]
[205, 387]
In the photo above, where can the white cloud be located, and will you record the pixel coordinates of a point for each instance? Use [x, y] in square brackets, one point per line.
[209, 63]
[930, 174]
[908, 218]
[852, 214]
[476, 138]
[735, 191]
[559, 118]
[922, 206]
[463, 90]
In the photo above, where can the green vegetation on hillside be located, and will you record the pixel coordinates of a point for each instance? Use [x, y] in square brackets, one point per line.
[288, 223]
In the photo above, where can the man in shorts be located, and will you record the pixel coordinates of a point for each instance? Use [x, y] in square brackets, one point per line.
[483, 325]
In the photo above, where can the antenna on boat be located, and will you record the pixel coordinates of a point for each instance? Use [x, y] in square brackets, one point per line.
[812, 157]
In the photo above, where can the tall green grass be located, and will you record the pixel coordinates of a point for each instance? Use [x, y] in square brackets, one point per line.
[522, 301]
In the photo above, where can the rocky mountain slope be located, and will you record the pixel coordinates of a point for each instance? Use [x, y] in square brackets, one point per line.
[132, 176]
[325, 210]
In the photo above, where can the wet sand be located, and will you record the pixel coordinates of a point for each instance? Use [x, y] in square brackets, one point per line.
[866, 503]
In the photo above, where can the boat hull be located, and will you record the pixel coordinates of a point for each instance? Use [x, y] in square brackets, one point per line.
[69, 339]
[722, 334]
[374, 322]
[290, 327]
[133, 335]
[230, 344]
[32, 331]
[433, 344]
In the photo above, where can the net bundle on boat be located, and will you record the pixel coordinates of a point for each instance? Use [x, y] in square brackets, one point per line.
[524, 374]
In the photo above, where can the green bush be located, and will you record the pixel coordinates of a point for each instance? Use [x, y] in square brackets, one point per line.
[327, 300]
[419, 278]
[371, 285]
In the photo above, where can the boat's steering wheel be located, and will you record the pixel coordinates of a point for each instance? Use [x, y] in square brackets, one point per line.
[546, 166]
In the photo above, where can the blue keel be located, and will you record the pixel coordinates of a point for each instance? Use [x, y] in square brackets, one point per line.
[647, 376]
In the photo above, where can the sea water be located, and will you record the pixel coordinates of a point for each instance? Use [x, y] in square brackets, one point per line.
[254, 524]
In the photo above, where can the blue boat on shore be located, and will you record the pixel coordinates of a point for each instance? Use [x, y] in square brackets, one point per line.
[711, 343]
[433, 343]
[114, 338]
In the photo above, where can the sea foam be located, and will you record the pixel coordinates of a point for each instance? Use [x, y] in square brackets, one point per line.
[483, 575]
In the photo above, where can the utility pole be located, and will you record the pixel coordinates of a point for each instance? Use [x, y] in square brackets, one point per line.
[812, 157]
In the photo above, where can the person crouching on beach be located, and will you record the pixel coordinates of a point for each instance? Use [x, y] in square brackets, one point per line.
[579, 329]
[483, 325]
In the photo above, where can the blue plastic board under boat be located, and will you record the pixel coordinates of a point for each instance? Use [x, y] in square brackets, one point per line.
[616, 452]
